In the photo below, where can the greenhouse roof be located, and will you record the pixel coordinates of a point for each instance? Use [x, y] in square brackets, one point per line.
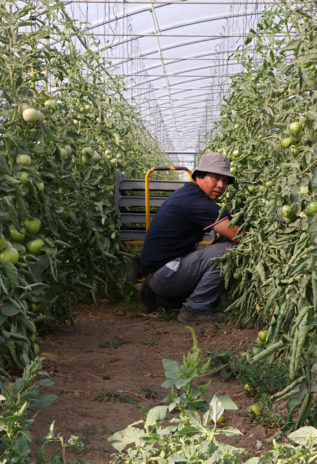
[176, 59]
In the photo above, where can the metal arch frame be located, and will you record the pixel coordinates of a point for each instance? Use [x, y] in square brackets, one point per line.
[191, 23]
[207, 111]
[187, 23]
[162, 97]
[176, 2]
[177, 83]
[149, 68]
[207, 87]
[180, 109]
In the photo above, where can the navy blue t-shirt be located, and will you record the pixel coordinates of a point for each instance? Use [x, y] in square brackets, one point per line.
[177, 226]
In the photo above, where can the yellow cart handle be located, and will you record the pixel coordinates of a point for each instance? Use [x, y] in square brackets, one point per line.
[147, 187]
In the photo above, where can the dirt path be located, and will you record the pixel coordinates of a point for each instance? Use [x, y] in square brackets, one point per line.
[108, 365]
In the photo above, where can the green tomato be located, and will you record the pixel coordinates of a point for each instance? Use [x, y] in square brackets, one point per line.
[40, 186]
[50, 103]
[249, 389]
[251, 188]
[23, 177]
[9, 254]
[88, 151]
[303, 189]
[287, 211]
[64, 153]
[34, 246]
[237, 275]
[312, 206]
[295, 128]
[32, 115]
[3, 242]
[287, 142]
[68, 149]
[221, 419]
[25, 160]
[262, 335]
[32, 225]
[254, 410]
[15, 234]
[259, 342]
[96, 156]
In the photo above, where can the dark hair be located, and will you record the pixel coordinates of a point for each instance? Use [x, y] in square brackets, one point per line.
[200, 174]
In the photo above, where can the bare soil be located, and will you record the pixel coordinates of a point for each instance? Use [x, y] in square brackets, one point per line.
[108, 365]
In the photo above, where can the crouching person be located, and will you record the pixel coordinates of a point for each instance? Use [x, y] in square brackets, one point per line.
[174, 267]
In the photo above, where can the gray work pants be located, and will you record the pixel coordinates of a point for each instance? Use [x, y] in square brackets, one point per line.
[192, 275]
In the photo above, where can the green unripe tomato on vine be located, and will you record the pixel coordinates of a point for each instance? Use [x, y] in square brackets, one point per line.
[34, 246]
[254, 410]
[15, 234]
[262, 334]
[287, 142]
[259, 342]
[9, 254]
[25, 160]
[3, 242]
[287, 212]
[32, 115]
[303, 189]
[23, 177]
[295, 128]
[312, 207]
[32, 225]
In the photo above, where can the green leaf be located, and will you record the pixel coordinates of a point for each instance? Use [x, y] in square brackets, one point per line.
[45, 382]
[155, 414]
[11, 273]
[43, 401]
[214, 412]
[172, 368]
[39, 267]
[230, 431]
[9, 309]
[302, 435]
[227, 402]
[121, 439]
[313, 227]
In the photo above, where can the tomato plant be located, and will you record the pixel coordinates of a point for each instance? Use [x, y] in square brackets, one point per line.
[269, 117]
[55, 125]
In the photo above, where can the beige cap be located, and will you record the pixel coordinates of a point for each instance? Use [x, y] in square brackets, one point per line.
[215, 163]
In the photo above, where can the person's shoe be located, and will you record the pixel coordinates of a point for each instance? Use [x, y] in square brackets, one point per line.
[187, 316]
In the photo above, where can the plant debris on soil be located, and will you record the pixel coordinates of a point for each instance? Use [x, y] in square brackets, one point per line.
[108, 365]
